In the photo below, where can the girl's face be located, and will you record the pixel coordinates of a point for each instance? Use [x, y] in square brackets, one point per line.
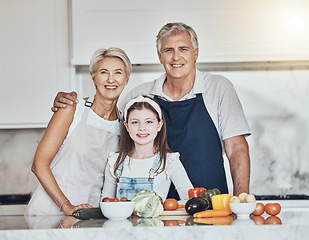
[110, 78]
[143, 126]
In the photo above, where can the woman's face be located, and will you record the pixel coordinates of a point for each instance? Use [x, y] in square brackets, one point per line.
[110, 78]
[143, 126]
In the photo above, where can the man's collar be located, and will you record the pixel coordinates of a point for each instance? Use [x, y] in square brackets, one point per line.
[197, 86]
[198, 83]
[157, 86]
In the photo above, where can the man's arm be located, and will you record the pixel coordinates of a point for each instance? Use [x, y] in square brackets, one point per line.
[237, 151]
[63, 99]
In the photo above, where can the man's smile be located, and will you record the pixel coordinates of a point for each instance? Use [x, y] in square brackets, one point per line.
[177, 65]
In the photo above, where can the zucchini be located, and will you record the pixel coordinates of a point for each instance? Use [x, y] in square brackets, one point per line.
[87, 213]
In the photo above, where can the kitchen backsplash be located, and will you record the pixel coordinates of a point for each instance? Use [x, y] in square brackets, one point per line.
[276, 106]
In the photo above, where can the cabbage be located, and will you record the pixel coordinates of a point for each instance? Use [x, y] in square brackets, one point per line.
[147, 204]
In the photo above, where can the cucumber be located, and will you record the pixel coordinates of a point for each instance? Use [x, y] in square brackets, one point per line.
[87, 213]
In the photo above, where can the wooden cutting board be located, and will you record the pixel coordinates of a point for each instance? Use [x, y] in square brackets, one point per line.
[177, 212]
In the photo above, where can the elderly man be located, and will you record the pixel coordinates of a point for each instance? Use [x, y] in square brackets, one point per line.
[203, 115]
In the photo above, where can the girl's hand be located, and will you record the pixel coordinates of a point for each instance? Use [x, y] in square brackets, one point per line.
[68, 208]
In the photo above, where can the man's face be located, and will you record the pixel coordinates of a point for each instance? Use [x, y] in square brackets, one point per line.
[178, 56]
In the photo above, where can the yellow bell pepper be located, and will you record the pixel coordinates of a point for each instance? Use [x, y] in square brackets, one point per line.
[221, 201]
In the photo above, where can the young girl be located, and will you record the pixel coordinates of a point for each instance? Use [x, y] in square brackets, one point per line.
[144, 160]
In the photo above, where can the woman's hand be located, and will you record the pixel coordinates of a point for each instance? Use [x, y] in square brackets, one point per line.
[68, 208]
[62, 99]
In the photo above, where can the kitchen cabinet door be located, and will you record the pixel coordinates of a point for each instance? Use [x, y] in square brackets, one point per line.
[228, 31]
[34, 60]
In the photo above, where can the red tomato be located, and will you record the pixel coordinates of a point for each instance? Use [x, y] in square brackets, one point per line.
[273, 208]
[259, 220]
[170, 204]
[273, 220]
[110, 199]
[259, 209]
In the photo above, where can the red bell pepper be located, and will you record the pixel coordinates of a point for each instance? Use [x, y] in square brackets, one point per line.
[196, 192]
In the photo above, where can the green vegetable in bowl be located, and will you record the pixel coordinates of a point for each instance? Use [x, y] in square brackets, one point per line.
[147, 204]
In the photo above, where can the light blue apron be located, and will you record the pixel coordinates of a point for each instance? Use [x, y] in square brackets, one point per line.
[128, 187]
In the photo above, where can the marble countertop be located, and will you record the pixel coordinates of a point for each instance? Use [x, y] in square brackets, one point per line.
[294, 224]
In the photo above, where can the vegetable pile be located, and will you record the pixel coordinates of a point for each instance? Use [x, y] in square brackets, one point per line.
[202, 201]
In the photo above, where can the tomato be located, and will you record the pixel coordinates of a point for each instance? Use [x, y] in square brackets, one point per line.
[273, 220]
[110, 199]
[170, 204]
[272, 208]
[259, 209]
[259, 220]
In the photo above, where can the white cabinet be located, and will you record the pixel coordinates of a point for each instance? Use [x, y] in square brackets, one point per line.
[34, 60]
[228, 31]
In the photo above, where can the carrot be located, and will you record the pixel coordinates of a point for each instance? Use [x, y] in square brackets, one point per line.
[181, 206]
[213, 213]
[227, 220]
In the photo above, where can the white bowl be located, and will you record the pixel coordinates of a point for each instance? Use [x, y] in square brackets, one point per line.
[242, 210]
[117, 210]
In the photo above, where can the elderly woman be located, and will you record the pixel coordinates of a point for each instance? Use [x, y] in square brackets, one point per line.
[71, 157]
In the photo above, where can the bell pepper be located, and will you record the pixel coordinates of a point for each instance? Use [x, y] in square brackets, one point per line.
[208, 195]
[221, 201]
[196, 192]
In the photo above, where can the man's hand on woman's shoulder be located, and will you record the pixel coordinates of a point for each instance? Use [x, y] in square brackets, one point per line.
[63, 99]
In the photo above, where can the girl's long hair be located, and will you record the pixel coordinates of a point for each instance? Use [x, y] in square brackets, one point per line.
[127, 144]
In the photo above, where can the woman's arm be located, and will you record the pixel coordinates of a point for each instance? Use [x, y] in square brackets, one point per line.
[51, 141]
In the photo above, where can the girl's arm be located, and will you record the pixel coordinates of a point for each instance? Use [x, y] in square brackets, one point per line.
[51, 142]
[180, 179]
[110, 183]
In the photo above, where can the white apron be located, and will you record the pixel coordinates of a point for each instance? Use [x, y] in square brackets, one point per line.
[78, 167]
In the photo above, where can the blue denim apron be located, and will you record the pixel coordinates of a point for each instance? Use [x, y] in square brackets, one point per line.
[192, 133]
[128, 187]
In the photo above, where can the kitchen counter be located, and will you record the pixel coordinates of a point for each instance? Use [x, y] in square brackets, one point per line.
[294, 225]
